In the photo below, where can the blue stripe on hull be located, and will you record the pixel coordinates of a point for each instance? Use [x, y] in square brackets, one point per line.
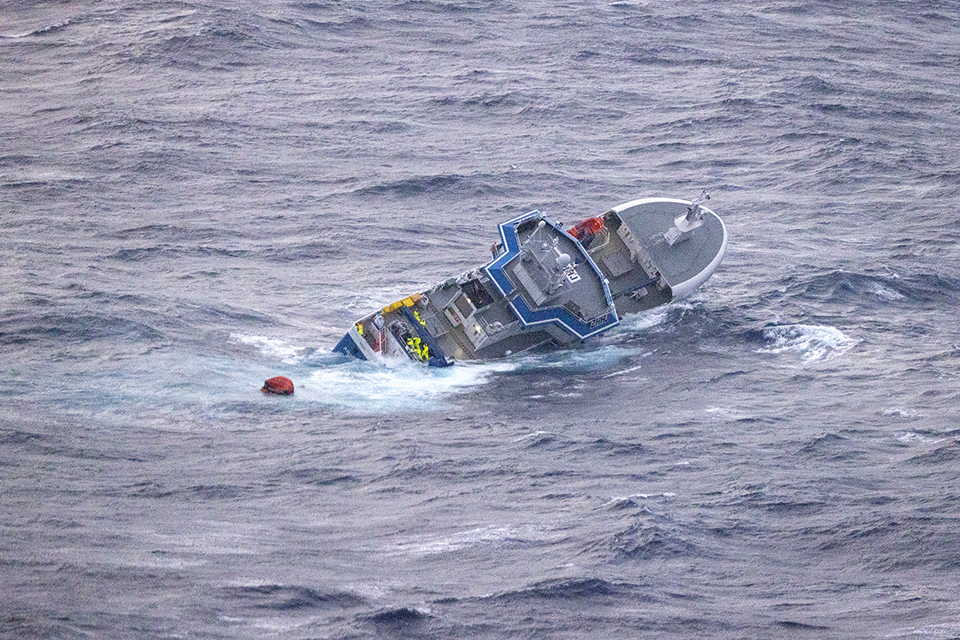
[348, 347]
[511, 249]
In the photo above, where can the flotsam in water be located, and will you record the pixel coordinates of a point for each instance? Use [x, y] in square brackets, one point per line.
[278, 386]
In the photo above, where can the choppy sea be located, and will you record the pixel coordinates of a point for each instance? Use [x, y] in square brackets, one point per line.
[196, 196]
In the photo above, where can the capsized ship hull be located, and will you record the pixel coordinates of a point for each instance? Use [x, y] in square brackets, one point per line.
[547, 286]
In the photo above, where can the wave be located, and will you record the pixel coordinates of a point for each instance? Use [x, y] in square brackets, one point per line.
[39, 31]
[845, 286]
[167, 252]
[801, 626]
[42, 178]
[201, 492]
[640, 540]
[580, 359]
[283, 597]
[828, 446]
[574, 589]
[811, 342]
[167, 243]
[318, 477]
[866, 303]
[65, 328]
[399, 616]
[921, 538]
[207, 39]
[945, 454]
[270, 347]
[437, 186]
[481, 536]
[165, 232]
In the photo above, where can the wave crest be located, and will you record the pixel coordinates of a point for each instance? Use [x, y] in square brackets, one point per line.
[810, 342]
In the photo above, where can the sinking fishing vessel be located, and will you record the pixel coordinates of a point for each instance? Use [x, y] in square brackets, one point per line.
[550, 286]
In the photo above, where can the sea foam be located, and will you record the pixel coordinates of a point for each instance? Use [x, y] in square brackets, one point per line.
[811, 342]
[364, 387]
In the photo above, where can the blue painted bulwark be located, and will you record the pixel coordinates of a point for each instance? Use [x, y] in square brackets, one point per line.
[557, 315]
[563, 318]
[511, 249]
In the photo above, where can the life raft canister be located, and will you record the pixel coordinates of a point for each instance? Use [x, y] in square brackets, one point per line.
[278, 386]
[587, 230]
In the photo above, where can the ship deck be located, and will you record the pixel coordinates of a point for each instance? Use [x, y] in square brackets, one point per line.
[548, 277]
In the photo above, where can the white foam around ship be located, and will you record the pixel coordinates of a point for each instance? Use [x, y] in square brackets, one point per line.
[270, 347]
[370, 388]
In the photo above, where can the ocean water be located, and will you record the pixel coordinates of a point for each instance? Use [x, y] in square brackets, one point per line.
[196, 196]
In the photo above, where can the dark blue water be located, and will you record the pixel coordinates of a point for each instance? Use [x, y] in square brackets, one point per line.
[196, 197]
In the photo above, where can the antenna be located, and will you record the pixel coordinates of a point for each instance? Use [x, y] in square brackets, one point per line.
[684, 225]
[693, 211]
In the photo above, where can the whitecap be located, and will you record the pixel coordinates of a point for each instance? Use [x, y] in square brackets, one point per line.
[270, 347]
[944, 630]
[725, 414]
[539, 434]
[623, 371]
[884, 293]
[620, 502]
[648, 319]
[456, 541]
[911, 437]
[488, 535]
[35, 32]
[811, 342]
[901, 412]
